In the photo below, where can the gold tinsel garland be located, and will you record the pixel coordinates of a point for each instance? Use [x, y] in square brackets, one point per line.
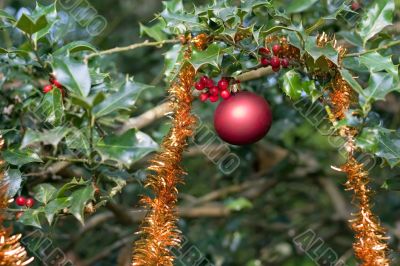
[159, 233]
[370, 245]
[11, 251]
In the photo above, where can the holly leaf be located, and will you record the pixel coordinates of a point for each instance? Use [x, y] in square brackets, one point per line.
[32, 217]
[127, 148]
[298, 6]
[124, 98]
[20, 157]
[4, 14]
[379, 85]
[29, 25]
[55, 206]
[392, 184]
[377, 17]
[13, 179]
[51, 109]
[50, 13]
[79, 199]
[44, 193]
[210, 56]
[348, 77]
[73, 75]
[48, 137]
[377, 62]
[317, 52]
[71, 185]
[156, 31]
[382, 142]
[74, 47]
[291, 84]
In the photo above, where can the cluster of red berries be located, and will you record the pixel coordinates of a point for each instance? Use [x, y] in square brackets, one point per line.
[22, 201]
[212, 91]
[54, 83]
[273, 60]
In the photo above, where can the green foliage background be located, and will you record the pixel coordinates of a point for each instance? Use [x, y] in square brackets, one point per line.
[68, 156]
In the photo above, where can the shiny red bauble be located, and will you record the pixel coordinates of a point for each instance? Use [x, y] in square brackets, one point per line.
[243, 119]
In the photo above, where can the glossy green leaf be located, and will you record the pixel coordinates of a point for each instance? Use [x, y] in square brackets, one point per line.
[210, 56]
[48, 137]
[55, 206]
[79, 199]
[155, 31]
[382, 142]
[31, 217]
[13, 179]
[73, 75]
[126, 149]
[20, 157]
[124, 98]
[379, 85]
[291, 84]
[377, 62]
[28, 25]
[73, 184]
[297, 6]
[74, 47]
[317, 52]
[4, 14]
[376, 17]
[347, 76]
[44, 192]
[51, 109]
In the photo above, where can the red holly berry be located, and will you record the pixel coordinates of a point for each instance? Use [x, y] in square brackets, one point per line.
[29, 203]
[57, 84]
[20, 201]
[214, 98]
[204, 80]
[355, 6]
[203, 97]
[214, 90]
[47, 88]
[199, 86]
[285, 62]
[276, 49]
[264, 50]
[275, 62]
[225, 94]
[223, 84]
[276, 69]
[265, 61]
[209, 83]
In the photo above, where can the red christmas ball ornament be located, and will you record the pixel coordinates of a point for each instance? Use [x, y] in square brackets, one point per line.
[20, 201]
[243, 119]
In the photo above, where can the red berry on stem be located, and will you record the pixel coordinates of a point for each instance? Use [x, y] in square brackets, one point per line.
[47, 88]
[214, 98]
[276, 69]
[276, 49]
[223, 84]
[57, 84]
[275, 62]
[30, 202]
[204, 80]
[285, 62]
[199, 86]
[243, 119]
[225, 94]
[214, 90]
[355, 6]
[203, 97]
[20, 201]
[264, 50]
[264, 61]
[209, 83]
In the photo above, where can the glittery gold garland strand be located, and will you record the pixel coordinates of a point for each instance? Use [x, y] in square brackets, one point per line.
[370, 245]
[11, 251]
[159, 233]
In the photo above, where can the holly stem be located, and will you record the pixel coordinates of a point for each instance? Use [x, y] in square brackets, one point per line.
[386, 46]
[130, 47]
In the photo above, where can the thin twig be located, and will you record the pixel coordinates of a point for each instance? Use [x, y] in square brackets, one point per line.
[129, 48]
[394, 43]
